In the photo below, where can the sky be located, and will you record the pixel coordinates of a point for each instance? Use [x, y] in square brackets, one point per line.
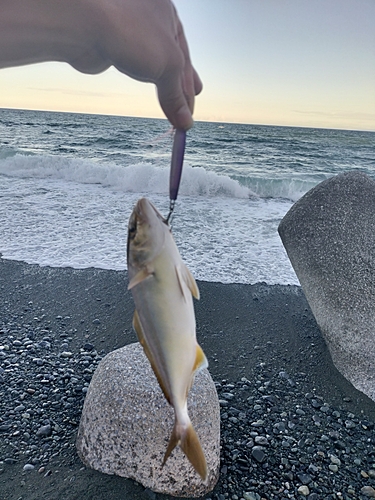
[276, 62]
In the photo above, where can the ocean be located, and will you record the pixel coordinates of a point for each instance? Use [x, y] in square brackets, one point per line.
[69, 182]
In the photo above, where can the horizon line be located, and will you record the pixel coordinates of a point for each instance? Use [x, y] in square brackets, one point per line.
[196, 121]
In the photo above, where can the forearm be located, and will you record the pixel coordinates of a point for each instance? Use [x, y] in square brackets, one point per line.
[46, 30]
[141, 38]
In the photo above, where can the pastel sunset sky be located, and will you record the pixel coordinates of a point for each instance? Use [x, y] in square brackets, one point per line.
[279, 62]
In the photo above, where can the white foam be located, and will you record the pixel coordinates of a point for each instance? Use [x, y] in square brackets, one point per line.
[57, 223]
[233, 241]
[139, 177]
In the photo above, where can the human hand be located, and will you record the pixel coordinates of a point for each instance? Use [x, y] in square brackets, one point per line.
[145, 40]
[141, 38]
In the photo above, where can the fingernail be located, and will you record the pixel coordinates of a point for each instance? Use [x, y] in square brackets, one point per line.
[183, 118]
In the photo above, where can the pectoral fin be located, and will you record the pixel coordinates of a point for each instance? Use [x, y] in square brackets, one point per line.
[191, 283]
[142, 275]
[185, 276]
[180, 280]
[142, 340]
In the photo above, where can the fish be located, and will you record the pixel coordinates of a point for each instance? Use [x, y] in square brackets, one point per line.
[163, 289]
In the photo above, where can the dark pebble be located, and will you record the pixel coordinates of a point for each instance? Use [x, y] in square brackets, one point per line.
[150, 494]
[304, 478]
[10, 461]
[43, 431]
[258, 453]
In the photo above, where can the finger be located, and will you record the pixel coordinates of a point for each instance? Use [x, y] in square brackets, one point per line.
[179, 84]
[188, 81]
[173, 101]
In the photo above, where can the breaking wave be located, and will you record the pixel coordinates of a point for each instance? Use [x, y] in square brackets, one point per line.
[140, 177]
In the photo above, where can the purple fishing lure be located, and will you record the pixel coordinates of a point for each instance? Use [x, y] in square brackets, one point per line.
[178, 152]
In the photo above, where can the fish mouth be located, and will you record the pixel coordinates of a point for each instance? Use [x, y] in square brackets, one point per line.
[144, 211]
[143, 218]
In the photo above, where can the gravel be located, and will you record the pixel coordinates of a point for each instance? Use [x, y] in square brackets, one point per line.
[281, 443]
[292, 427]
[277, 442]
[43, 390]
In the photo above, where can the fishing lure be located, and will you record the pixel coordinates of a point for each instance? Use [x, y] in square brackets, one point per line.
[177, 161]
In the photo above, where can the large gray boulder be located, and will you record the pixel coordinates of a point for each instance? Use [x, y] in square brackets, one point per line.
[329, 235]
[126, 424]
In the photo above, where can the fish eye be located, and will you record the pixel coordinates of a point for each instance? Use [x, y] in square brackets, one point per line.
[132, 230]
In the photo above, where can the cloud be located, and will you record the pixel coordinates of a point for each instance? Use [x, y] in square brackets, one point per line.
[77, 92]
[342, 115]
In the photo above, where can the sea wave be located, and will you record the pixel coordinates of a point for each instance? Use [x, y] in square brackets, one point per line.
[7, 152]
[146, 177]
[289, 188]
[142, 177]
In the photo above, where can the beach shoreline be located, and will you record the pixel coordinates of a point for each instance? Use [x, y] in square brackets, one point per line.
[243, 329]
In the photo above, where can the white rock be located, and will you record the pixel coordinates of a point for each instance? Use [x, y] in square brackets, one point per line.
[28, 467]
[304, 490]
[335, 460]
[66, 354]
[329, 235]
[126, 425]
[368, 491]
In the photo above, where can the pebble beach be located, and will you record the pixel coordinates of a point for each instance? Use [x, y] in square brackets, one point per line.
[291, 426]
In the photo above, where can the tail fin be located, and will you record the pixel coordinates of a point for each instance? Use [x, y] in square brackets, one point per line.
[187, 438]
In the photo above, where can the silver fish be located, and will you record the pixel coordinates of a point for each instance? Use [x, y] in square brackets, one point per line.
[164, 320]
